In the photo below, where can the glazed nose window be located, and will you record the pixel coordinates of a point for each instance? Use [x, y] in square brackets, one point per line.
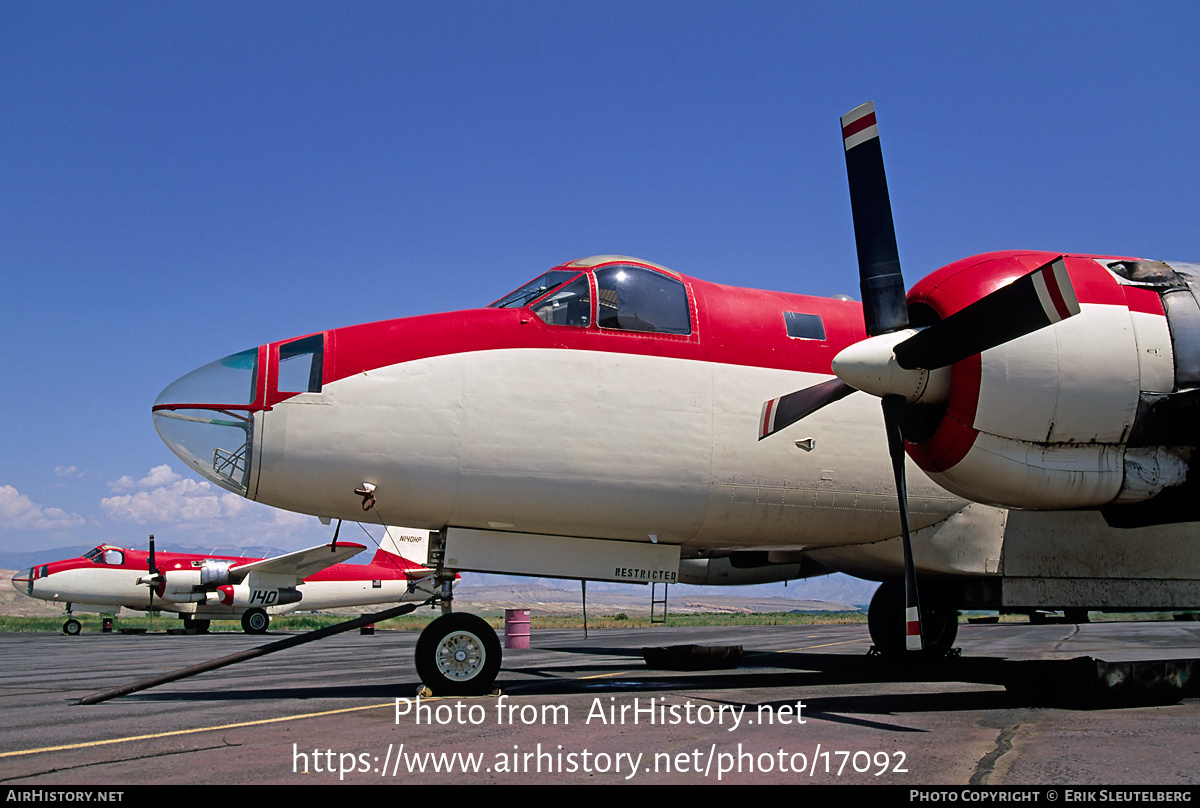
[206, 418]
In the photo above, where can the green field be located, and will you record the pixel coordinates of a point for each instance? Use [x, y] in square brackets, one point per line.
[92, 623]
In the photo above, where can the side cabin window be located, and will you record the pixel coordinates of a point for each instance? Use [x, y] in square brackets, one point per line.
[569, 304]
[804, 326]
[300, 365]
[636, 299]
[114, 557]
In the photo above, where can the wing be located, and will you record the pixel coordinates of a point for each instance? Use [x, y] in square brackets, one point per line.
[299, 564]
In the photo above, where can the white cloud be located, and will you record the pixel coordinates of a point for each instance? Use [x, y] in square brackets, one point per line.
[19, 511]
[158, 476]
[124, 483]
[68, 471]
[191, 510]
[178, 501]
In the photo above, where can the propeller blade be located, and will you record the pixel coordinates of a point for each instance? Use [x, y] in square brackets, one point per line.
[892, 408]
[152, 569]
[882, 285]
[1031, 302]
[780, 413]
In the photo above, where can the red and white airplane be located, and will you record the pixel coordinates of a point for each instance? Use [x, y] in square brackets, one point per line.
[202, 588]
[606, 421]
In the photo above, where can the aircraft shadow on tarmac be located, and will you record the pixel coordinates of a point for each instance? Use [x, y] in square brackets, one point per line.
[1079, 683]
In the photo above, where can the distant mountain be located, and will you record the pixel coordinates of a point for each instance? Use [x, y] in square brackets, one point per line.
[836, 588]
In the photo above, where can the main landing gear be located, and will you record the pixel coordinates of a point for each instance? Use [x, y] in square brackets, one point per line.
[199, 625]
[885, 619]
[255, 621]
[72, 627]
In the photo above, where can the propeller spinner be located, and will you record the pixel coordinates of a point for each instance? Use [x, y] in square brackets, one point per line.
[899, 364]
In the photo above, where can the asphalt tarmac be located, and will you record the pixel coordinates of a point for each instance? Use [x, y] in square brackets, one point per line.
[806, 705]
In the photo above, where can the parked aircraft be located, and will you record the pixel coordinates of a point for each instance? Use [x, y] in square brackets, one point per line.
[606, 421]
[202, 588]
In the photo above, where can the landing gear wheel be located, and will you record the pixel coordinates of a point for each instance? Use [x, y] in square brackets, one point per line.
[72, 627]
[255, 621]
[201, 626]
[885, 619]
[458, 655]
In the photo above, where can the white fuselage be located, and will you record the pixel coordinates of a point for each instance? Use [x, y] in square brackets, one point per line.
[588, 443]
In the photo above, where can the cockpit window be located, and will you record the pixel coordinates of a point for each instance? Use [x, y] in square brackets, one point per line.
[569, 304]
[300, 365]
[114, 557]
[534, 289]
[92, 554]
[636, 299]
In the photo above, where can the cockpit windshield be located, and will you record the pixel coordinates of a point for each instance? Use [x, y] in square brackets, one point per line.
[106, 555]
[534, 289]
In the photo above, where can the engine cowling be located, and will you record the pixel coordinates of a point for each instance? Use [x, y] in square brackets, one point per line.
[192, 585]
[1089, 412]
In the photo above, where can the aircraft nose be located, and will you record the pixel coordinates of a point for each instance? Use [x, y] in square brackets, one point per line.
[23, 581]
[206, 417]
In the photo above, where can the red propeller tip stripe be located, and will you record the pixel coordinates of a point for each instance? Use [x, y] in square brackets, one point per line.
[859, 125]
[1055, 292]
[766, 423]
[912, 629]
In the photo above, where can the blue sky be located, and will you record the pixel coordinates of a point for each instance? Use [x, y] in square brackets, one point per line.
[179, 181]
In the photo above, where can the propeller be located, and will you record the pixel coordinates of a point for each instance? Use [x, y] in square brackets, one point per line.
[899, 364]
[153, 577]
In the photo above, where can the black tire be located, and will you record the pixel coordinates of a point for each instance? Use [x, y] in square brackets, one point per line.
[200, 626]
[255, 621]
[885, 619]
[72, 627]
[458, 655]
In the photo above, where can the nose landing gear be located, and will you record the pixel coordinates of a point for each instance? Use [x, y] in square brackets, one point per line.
[458, 655]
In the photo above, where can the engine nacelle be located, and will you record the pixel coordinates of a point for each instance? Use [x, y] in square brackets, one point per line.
[243, 595]
[193, 585]
[180, 586]
[1082, 414]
